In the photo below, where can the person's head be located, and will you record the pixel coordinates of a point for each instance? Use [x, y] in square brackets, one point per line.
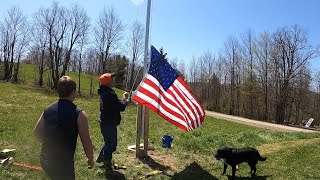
[107, 79]
[67, 88]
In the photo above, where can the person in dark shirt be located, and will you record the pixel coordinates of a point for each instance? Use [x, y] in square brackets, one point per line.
[58, 128]
[110, 107]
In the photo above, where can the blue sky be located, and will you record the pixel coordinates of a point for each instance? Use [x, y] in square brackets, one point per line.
[188, 28]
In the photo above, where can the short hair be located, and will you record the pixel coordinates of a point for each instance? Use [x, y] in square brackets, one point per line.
[65, 86]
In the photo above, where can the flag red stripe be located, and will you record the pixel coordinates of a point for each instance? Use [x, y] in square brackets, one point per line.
[188, 104]
[154, 109]
[161, 103]
[198, 105]
[177, 104]
[185, 111]
[194, 101]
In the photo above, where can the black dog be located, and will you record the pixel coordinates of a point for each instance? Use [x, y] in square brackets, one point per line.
[233, 157]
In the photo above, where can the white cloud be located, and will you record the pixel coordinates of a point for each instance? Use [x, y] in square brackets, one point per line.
[137, 2]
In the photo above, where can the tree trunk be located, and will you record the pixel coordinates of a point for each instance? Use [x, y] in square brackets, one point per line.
[79, 73]
[280, 111]
[91, 85]
[6, 75]
[132, 74]
[281, 104]
[11, 61]
[16, 71]
[41, 68]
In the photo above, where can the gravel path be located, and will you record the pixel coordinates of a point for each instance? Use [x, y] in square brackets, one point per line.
[255, 123]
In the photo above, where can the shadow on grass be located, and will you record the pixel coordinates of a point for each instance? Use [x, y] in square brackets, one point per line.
[115, 175]
[193, 171]
[153, 164]
[249, 177]
[111, 174]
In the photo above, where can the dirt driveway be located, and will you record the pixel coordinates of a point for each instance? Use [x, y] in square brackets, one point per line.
[255, 123]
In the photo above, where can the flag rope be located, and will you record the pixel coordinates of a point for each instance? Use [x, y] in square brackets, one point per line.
[126, 111]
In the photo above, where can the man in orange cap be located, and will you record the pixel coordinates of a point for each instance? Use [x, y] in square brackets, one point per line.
[110, 107]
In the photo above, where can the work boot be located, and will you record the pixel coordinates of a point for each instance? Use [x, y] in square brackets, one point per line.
[108, 165]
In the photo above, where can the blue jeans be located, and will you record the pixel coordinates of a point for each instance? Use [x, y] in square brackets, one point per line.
[110, 137]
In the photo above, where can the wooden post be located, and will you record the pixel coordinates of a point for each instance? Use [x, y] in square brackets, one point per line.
[141, 153]
[138, 135]
[146, 134]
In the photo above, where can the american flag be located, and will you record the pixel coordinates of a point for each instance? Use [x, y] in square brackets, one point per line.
[164, 92]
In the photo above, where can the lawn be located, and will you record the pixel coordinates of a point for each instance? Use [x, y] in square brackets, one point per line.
[290, 155]
[28, 74]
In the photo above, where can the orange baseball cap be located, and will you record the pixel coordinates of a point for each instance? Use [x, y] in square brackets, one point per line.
[106, 78]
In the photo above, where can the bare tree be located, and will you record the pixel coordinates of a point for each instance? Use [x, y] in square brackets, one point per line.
[5, 49]
[192, 73]
[232, 57]
[20, 52]
[91, 64]
[40, 42]
[53, 20]
[83, 41]
[78, 27]
[294, 52]
[262, 53]
[135, 48]
[14, 32]
[108, 34]
[248, 75]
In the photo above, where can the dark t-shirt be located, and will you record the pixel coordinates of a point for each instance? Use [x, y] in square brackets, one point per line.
[110, 106]
[60, 131]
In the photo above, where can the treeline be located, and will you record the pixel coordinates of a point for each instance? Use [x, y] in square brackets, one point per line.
[262, 76]
[58, 39]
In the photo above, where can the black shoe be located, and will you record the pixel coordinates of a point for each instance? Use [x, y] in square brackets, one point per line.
[108, 165]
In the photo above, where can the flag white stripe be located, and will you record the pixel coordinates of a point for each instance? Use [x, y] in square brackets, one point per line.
[162, 98]
[154, 80]
[189, 102]
[157, 105]
[193, 101]
[178, 84]
[190, 112]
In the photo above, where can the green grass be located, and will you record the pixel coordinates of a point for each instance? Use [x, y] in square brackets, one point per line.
[29, 74]
[190, 158]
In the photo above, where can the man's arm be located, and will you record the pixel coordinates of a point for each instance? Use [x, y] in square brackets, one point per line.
[121, 104]
[38, 129]
[85, 137]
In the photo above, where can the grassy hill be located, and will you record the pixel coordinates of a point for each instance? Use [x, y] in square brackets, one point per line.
[290, 155]
[28, 74]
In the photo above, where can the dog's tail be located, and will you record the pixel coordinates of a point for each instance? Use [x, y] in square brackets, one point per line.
[262, 158]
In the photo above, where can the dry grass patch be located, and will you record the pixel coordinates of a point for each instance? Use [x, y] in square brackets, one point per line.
[275, 147]
[4, 104]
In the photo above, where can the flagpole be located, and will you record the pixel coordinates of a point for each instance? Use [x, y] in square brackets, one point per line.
[143, 116]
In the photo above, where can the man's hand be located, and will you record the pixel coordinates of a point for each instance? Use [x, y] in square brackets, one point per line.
[125, 96]
[90, 163]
